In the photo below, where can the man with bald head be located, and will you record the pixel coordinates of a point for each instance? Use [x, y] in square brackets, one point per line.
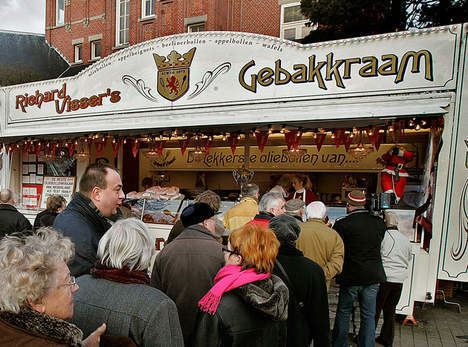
[11, 220]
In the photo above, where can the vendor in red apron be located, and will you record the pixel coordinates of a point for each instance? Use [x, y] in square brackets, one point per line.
[303, 189]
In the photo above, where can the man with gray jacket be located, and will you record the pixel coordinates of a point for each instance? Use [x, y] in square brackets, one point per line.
[185, 268]
[396, 256]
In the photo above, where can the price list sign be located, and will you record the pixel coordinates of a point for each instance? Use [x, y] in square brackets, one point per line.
[64, 186]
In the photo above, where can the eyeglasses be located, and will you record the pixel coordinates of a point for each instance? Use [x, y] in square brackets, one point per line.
[71, 282]
[227, 250]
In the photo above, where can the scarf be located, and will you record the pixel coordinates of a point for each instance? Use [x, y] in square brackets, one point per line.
[228, 278]
[120, 275]
[86, 207]
[43, 325]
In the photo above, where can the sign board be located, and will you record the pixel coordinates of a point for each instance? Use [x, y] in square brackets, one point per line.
[64, 186]
[31, 194]
[214, 69]
[273, 158]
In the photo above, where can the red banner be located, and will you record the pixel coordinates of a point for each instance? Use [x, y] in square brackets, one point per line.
[262, 139]
[233, 140]
[319, 140]
[184, 144]
[135, 148]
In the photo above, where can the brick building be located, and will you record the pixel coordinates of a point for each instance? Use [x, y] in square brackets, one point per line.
[86, 30]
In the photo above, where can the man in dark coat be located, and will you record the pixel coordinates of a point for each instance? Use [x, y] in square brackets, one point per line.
[308, 317]
[85, 219]
[362, 234]
[270, 205]
[186, 267]
[11, 220]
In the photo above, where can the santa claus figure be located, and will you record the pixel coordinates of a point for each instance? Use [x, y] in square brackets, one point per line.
[394, 175]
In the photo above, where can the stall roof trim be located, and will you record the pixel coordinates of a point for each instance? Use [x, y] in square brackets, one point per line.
[226, 77]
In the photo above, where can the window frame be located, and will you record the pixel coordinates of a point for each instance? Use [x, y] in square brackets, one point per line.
[57, 22]
[117, 23]
[145, 15]
[297, 25]
[92, 45]
[78, 47]
[194, 25]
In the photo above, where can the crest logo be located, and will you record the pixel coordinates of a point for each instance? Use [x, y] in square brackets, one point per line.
[173, 74]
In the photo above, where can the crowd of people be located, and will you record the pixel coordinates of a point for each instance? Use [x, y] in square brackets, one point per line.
[84, 272]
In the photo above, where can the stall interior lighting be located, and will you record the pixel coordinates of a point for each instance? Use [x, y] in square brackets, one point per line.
[358, 135]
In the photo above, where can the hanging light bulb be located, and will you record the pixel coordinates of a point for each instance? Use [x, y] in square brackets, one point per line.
[423, 122]
[283, 129]
[417, 127]
[270, 130]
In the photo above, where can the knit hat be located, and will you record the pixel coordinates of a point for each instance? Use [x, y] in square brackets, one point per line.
[286, 228]
[316, 209]
[294, 205]
[196, 213]
[356, 198]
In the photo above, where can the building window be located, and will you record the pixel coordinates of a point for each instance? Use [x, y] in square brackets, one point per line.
[96, 49]
[60, 12]
[123, 22]
[78, 53]
[147, 8]
[294, 26]
[193, 28]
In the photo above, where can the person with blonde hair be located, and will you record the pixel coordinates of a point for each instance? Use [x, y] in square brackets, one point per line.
[118, 292]
[36, 295]
[247, 304]
[54, 205]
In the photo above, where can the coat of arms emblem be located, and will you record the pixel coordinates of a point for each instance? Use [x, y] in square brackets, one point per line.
[173, 74]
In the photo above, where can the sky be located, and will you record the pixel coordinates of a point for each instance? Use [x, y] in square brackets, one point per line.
[22, 15]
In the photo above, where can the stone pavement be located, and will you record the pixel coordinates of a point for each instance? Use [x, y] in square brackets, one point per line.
[438, 325]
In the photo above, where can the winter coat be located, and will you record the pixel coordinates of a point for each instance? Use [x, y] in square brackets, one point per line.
[11, 220]
[85, 225]
[138, 311]
[29, 328]
[396, 255]
[323, 245]
[252, 315]
[308, 281]
[184, 270]
[362, 235]
[44, 219]
[236, 217]
[262, 219]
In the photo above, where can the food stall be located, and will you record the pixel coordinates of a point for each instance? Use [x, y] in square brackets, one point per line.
[209, 110]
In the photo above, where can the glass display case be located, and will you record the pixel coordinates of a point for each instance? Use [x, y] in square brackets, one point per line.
[155, 211]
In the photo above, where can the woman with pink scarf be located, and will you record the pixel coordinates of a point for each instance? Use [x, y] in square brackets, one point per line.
[247, 306]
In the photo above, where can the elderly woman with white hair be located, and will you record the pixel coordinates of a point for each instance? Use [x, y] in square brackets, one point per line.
[36, 292]
[321, 243]
[118, 292]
